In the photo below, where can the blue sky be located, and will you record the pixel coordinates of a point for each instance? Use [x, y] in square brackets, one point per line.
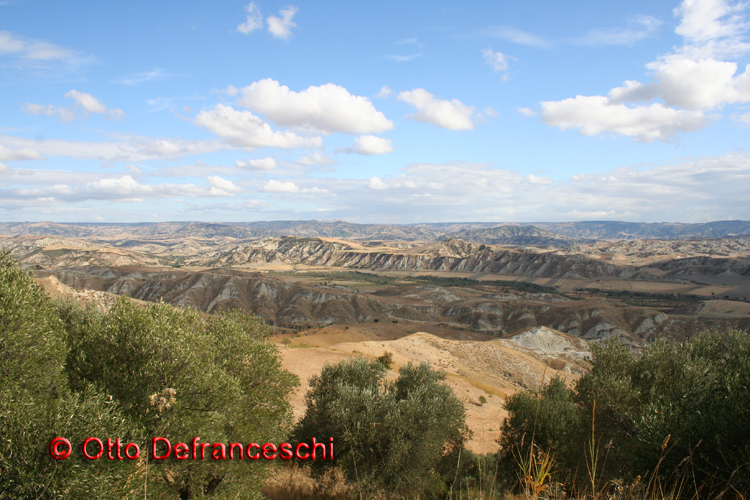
[392, 112]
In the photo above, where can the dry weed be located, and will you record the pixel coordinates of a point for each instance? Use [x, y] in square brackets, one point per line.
[296, 483]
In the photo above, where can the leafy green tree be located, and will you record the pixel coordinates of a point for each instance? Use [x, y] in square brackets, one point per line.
[697, 394]
[344, 401]
[675, 405]
[401, 437]
[548, 421]
[677, 410]
[611, 387]
[179, 374]
[36, 404]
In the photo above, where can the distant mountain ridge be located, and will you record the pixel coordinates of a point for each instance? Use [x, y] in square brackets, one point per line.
[616, 230]
[238, 230]
[516, 235]
[505, 233]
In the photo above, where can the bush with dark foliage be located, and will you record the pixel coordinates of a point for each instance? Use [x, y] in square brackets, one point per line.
[682, 409]
[400, 438]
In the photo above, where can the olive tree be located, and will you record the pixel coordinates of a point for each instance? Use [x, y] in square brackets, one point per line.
[37, 404]
[400, 437]
[180, 374]
[677, 414]
[547, 421]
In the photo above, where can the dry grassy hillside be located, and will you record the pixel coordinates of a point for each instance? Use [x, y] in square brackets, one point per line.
[488, 368]
[102, 300]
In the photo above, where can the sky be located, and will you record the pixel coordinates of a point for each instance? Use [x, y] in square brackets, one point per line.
[374, 112]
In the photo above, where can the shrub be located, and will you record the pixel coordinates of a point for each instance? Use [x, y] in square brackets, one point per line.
[36, 404]
[178, 374]
[681, 411]
[386, 359]
[395, 437]
[548, 420]
[696, 393]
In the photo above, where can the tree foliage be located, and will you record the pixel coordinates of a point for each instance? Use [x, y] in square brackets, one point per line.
[37, 405]
[696, 393]
[399, 437]
[132, 373]
[549, 421]
[683, 409]
[179, 374]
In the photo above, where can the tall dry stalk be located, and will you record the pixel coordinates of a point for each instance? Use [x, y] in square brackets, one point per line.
[536, 470]
[592, 454]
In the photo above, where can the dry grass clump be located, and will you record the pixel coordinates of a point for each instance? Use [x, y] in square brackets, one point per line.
[296, 483]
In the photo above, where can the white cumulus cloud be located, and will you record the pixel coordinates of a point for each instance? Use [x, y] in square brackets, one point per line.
[274, 186]
[87, 101]
[243, 129]
[452, 115]
[370, 145]
[689, 84]
[19, 154]
[385, 92]
[316, 158]
[122, 189]
[258, 164]
[376, 183]
[221, 186]
[326, 108]
[491, 112]
[254, 19]
[533, 179]
[743, 119]
[496, 60]
[592, 115]
[690, 81]
[32, 49]
[131, 149]
[689, 190]
[65, 114]
[281, 27]
[709, 20]
[84, 104]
